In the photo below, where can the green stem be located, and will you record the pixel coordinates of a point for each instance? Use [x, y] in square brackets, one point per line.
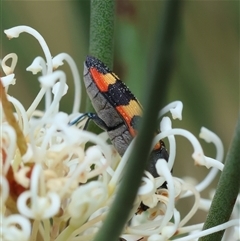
[102, 30]
[118, 214]
[227, 189]
[101, 37]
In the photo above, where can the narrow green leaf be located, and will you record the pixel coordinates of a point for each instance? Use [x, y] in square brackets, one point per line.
[227, 190]
[126, 194]
[101, 38]
[102, 30]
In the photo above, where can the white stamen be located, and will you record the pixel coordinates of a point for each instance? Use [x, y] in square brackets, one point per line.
[56, 87]
[42, 207]
[6, 69]
[47, 81]
[4, 190]
[21, 113]
[205, 204]
[28, 155]
[58, 60]
[14, 33]
[8, 80]
[162, 169]
[119, 171]
[209, 231]
[198, 155]
[36, 101]
[211, 162]
[87, 136]
[38, 65]
[165, 125]
[11, 231]
[194, 207]
[11, 135]
[209, 136]
[147, 187]
[85, 200]
[175, 108]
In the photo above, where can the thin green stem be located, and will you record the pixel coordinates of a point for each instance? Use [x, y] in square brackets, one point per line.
[126, 194]
[227, 189]
[102, 30]
[101, 37]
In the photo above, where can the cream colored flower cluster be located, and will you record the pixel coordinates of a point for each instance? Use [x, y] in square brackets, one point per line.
[54, 188]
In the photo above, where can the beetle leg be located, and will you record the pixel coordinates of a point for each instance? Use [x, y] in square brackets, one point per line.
[98, 121]
[81, 117]
[91, 116]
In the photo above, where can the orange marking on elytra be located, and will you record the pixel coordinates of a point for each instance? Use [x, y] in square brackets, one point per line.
[128, 112]
[102, 80]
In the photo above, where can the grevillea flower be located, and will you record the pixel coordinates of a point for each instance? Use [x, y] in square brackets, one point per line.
[55, 188]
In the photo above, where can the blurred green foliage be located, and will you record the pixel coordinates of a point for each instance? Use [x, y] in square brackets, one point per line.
[206, 71]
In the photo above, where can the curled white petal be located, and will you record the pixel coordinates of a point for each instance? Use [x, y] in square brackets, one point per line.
[42, 208]
[93, 153]
[177, 219]
[175, 108]
[84, 136]
[35, 180]
[147, 187]
[58, 60]
[195, 206]
[14, 33]
[147, 191]
[165, 124]
[168, 231]
[21, 178]
[197, 155]
[56, 88]
[85, 200]
[38, 65]
[60, 117]
[162, 170]
[205, 204]
[6, 69]
[8, 80]
[211, 162]
[21, 114]
[48, 81]
[11, 231]
[210, 136]
[36, 101]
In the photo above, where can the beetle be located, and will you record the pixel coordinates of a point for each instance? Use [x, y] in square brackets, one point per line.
[117, 110]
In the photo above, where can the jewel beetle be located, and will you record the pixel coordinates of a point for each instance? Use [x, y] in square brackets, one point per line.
[117, 110]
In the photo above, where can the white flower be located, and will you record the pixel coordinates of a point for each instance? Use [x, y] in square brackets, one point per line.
[60, 190]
